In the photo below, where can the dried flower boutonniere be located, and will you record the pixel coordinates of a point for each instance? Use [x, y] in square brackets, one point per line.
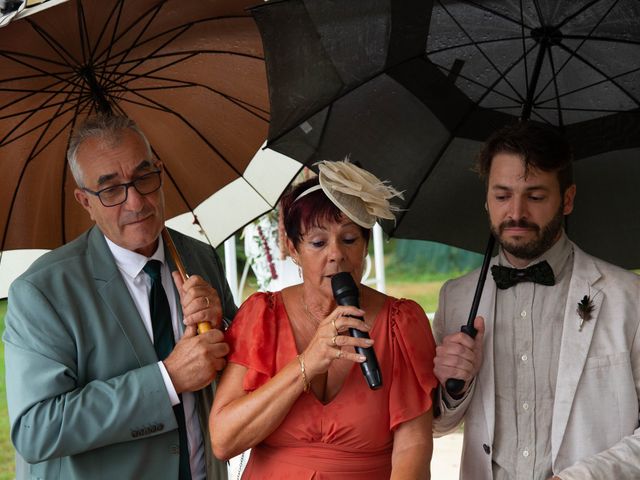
[585, 309]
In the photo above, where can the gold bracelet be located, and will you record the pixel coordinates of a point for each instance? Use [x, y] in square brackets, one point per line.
[305, 382]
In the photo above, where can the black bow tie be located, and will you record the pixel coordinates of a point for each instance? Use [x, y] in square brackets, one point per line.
[506, 277]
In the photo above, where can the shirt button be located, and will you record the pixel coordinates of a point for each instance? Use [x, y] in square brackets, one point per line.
[525, 405]
[524, 357]
[523, 313]
[525, 454]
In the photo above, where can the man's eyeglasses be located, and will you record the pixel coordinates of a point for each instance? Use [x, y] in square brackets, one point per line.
[117, 194]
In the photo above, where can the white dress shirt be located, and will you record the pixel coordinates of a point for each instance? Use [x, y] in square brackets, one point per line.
[138, 282]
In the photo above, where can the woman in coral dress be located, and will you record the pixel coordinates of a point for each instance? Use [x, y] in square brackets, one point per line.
[293, 390]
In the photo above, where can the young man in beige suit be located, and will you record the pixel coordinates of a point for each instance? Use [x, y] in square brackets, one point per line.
[552, 379]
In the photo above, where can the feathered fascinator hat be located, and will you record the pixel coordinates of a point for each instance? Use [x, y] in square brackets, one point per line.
[358, 194]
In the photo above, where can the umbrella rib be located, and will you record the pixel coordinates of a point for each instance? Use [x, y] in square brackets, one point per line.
[30, 158]
[181, 83]
[114, 39]
[476, 82]
[524, 47]
[601, 39]
[607, 77]
[472, 43]
[152, 55]
[594, 84]
[182, 27]
[536, 4]
[44, 72]
[246, 106]
[26, 90]
[103, 71]
[573, 15]
[53, 43]
[179, 30]
[492, 11]
[82, 29]
[118, 5]
[482, 52]
[31, 93]
[555, 86]
[574, 52]
[10, 55]
[183, 56]
[595, 110]
[134, 44]
[186, 53]
[32, 112]
[29, 77]
[36, 127]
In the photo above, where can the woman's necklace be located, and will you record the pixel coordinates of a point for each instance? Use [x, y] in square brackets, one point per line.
[310, 315]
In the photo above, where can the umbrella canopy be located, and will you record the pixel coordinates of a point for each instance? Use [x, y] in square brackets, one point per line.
[190, 73]
[411, 89]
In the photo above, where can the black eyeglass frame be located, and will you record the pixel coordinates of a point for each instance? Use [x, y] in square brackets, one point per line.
[132, 183]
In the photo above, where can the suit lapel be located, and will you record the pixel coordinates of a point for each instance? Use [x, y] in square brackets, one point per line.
[173, 268]
[575, 343]
[486, 376]
[117, 299]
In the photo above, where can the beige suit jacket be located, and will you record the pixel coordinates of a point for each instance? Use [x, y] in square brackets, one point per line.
[595, 432]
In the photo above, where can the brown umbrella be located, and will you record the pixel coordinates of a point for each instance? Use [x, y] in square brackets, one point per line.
[189, 72]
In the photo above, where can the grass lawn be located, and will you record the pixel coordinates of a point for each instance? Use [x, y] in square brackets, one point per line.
[425, 293]
[6, 449]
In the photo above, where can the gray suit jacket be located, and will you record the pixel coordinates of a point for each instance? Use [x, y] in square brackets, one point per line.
[595, 432]
[86, 397]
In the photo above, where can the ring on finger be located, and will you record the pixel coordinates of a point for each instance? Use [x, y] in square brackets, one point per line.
[333, 341]
[208, 302]
[339, 354]
[333, 322]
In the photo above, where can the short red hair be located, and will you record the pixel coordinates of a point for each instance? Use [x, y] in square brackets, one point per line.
[309, 211]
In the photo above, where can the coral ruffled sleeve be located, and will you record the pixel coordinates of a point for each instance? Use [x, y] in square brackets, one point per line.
[253, 339]
[413, 349]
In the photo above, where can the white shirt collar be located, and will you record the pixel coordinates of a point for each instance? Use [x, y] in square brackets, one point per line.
[131, 262]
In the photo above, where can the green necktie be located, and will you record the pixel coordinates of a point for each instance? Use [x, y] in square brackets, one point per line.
[163, 342]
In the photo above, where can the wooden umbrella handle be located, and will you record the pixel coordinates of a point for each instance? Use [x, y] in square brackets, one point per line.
[168, 241]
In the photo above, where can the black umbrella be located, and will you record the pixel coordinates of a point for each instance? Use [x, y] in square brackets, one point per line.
[410, 89]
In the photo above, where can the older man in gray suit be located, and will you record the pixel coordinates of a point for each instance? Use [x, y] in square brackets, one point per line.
[552, 380]
[103, 380]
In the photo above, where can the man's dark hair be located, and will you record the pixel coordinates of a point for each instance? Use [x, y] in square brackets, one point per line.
[540, 146]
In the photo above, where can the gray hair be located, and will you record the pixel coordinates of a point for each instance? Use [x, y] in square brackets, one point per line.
[108, 128]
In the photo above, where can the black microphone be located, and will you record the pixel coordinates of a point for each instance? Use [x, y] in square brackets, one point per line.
[346, 293]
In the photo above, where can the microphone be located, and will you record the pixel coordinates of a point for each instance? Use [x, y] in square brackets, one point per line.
[346, 293]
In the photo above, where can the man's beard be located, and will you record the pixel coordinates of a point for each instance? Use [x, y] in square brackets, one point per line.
[545, 237]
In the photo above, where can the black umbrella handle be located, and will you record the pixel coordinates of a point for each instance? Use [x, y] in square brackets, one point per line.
[455, 385]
